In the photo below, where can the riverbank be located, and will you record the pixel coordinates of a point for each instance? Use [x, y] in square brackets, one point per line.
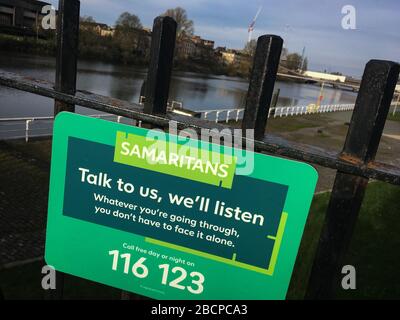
[26, 45]
[111, 54]
[195, 90]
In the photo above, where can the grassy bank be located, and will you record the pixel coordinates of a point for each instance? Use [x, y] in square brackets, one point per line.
[373, 250]
[395, 117]
[31, 45]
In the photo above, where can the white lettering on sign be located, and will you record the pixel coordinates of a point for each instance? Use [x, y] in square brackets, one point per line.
[101, 179]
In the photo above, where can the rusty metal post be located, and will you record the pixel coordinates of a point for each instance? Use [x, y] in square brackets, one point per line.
[362, 141]
[156, 86]
[66, 69]
[261, 86]
[67, 51]
[160, 67]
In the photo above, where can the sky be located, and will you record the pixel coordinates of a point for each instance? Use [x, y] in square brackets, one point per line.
[313, 24]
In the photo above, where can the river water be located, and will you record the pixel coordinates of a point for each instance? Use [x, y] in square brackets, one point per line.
[195, 91]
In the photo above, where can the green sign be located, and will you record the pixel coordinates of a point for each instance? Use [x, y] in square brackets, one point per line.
[170, 217]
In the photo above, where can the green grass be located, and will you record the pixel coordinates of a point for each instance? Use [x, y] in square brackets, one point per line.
[395, 117]
[374, 252]
[25, 283]
[290, 124]
[27, 44]
[287, 124]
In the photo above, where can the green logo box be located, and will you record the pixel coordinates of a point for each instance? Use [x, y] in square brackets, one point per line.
[170, 217]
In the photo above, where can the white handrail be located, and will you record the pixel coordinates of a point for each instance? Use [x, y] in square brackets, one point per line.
[277, 111]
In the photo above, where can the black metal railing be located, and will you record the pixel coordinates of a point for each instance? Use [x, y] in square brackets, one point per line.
[355, 165]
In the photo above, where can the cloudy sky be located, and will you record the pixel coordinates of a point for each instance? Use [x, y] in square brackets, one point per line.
[315, 24]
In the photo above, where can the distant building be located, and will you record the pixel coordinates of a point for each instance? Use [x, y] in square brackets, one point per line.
[101, 29]
[21, 17]
[185, 47]
[194, 47]
[231, 56]
[228, 56]
[324, 76]
[202, 42]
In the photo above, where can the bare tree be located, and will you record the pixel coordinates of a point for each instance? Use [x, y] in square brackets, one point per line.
[184, 25]
[250, 47]
[128, 21]
[88, 19]
[293, 61]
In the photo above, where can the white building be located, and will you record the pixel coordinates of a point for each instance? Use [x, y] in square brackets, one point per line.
[324, 76]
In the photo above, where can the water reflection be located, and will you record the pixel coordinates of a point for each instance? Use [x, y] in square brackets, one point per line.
[195, 91]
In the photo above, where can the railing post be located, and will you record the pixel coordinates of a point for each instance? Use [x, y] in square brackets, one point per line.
[67, 51]
[261, 86]
[27, 122]
[160, 67]
[227, 115]
[365, 131]
[156, 86]
[274, 103]
[65, 82]
[217, 116]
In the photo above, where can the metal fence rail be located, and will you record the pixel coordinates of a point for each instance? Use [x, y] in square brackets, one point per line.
[354, 165]
[219, 115]
[267, 144]
[226, 115]
[19, 127]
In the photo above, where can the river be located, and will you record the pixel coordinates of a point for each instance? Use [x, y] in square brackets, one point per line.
[195, 91]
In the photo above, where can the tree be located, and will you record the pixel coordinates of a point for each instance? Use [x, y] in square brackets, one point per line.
[88, 19]
[250, 47]
[293, 61]
[127, 21]
[184, 25]
[126, 36]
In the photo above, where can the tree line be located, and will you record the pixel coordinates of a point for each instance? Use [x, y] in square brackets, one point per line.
[129, 43]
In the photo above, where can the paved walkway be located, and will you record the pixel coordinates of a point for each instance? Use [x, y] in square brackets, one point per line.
[393, 136]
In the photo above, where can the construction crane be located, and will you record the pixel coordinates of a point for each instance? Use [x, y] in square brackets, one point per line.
[252, 24]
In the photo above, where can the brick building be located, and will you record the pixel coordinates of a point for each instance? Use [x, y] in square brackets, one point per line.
[194, 47]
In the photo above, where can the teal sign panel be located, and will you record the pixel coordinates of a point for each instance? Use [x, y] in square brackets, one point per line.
[170, 217]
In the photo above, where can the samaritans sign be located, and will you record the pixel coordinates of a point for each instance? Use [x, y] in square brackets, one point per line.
[146, 212]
